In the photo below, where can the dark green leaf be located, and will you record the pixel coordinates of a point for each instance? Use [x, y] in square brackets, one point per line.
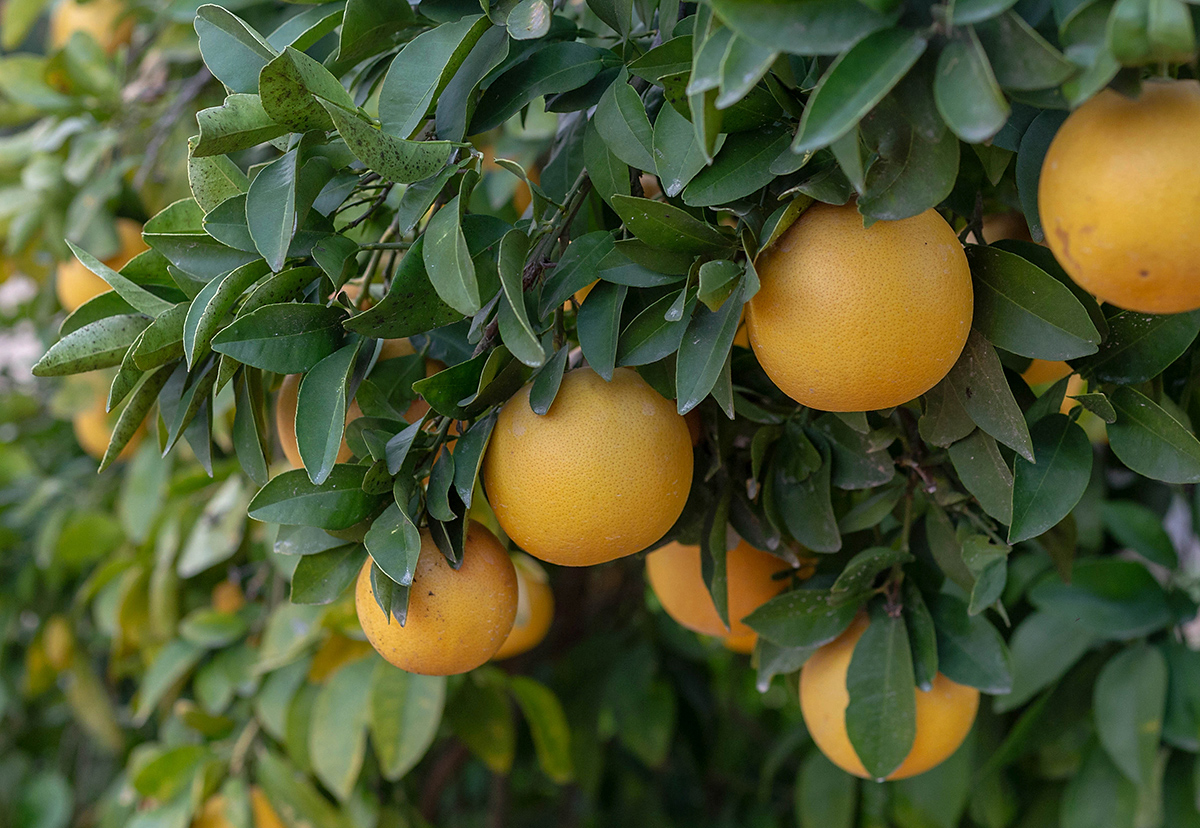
[1139, 346]
[1045, 491]
[815, 27]
[99, 344]
[323, 577]
[983, 392]
[1135, 526]
[1043, 649]
[396, 159]
[599, 324]
[1130, 700]
[663, 225]
[556, 67]
[548, 725]
[395, 544]
[232, 50]
[704, 350]
[1020, 57]
[984, 472]
[741, 167]
[621, 121]
[1150, 441]
[1097, 794]
[1113, 598]
[292, 498]
[970, 650]
[881, 718]
[802, 618]
[966, 92]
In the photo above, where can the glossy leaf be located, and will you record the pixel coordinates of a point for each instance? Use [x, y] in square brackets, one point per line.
[338, 503]
[881, 718]
[1044, 492]
[1150, 441]
[284, 338]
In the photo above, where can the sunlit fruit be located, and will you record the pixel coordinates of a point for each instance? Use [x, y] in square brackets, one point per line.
[945, 712]
[604, 474]
[107, 22]
[675, 575]
[74, 284]
[1117, 197]
[535, 608]
[456, 620]
[854, 319]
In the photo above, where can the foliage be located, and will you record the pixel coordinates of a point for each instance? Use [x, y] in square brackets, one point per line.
[349, 188]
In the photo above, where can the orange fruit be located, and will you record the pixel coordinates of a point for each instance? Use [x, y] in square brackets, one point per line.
[604, 474]
[105, 21]
[456, 620]
[263, 812]
[212, 814]
[94, 427]
[74, 284]
[227, 596]
[1042, 371]
[676, 578]
[855, 319]
[945, 712]
[535, 608]
[1117, 197]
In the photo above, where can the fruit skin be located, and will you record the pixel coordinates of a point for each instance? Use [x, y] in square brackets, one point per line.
[535, 608]
[1042, 371]
[1118, 197]
[456, 620]
[74, 284]
[675, 576]
[94, 427]
[854, 319]
[105, 21]
[227, 596]
[264, 813]
[944, 714]
[604, 474]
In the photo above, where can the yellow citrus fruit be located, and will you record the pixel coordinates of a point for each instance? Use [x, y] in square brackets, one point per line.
[456, 620]
[1042, 371]
[75, 284]
[93, 428]
[105, 21]
[945, 712]
[535, 608]
[336, 652]
[227, 596]
[603, 474]
[59, 641]
[855, 319]
[263, 811]
[1117, 197]
[676, 578]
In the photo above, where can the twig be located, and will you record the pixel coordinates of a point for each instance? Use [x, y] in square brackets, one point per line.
[379, 199]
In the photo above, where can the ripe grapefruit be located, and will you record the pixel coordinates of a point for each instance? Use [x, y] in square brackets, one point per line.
[944, 714]
[1118, 197]
[535, 608]
[105, 21]
[604, 474]
[855, 319]
[456, 620]
[1042, 371]
[676, 578]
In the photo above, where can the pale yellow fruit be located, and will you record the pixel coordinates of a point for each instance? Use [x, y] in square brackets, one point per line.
[535, 608]
[105, 21]
[603, 474]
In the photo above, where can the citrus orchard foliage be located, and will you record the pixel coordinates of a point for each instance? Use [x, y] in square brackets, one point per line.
[486, 265]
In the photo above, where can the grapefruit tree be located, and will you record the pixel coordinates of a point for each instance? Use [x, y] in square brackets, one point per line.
[863, 331]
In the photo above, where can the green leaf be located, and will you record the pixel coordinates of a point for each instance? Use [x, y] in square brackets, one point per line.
[985, 474]
[651, 336]
[1021, 308]
[286, 87]
[547, 382]
[742, 66]
[548, 724]
[321, 411]
[881, 718]
[278, 202]
[621, 121]
[456, 103]
[912, 173]
[599, 324]
[237, 124]
[213, 179]
[1113, 598]
[215, 537]
[394, 544]
[292, 498]
[141, 299]
[247, 428]
[1139, 346]
[529, 20]
[448, 260]
[233, 51]
[421, 71]
[291, 793]
[172, 663]
[514, 248]
[705, 349]
[208, 310]
[983, 392]
[1150, 441]
[815, 27]
[1130, 700]
[285, 338]
[554, 68]
[860, 572]
[99, 344]
[663, 225]
[1043, 649]
[854, 83]
[804, 505]
[1020, 57]
[1046, 491]
[481, 716]
[575, 270]
[306, 28]
[405, 711]
[944, 421]
[1135, 526]
[227, 224]
[826, 796]
[337, 738]
[411, 305]
[1097, 794]
[803, 618]
[608, 173]
[162, 342]
[966, 92]
[741, 167]
[677, 155]
[370, 26]
[398, 160]
[970, 650]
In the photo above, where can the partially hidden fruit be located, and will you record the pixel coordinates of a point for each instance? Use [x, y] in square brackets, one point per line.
[674, 572]
[212, 814]
[263, 812]
[535, 608]
[855, 319]
[456, 620]
[93, 428]
[1117, 197]
[1042, 371]
[74, 284]
[603, 474]
[59, 640]
[945, 713]
[106, 21]
[227, 596]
